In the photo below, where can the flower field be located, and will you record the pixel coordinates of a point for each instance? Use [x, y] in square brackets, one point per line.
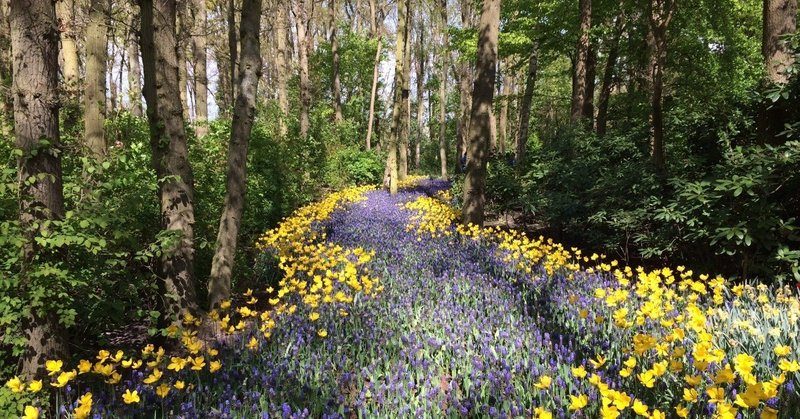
[388, 308]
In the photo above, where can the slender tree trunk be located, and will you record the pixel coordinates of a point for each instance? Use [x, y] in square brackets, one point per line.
[111, 100]
[660, 14]
[376, 34]
[780, 18]
[397, 121]
[480, 119]
[337, 87]
[134, 68]
[7, 105]
[219, 284]
[170, 156]
[301, 20]
[183, 74]
[405, 127]
[420, 69]
[65, 13]
[608, 76]
[34, 42]
[233, 49]
[579, 89]
[445, 52]
[465, 84]
[95, 87]
[502, 128]
[281, 60]
[588, 103]
[525, 106]
[199, 58]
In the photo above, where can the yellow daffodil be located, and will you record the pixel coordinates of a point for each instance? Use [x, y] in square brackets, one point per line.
[322, 333]
[543, 383]
[35, 386]
[30, 412]
[214, 366]
[15, 384]
[162, 390]
[578, 402]
[53, 367]
[180, 385]
[153, 377]
[131, 397]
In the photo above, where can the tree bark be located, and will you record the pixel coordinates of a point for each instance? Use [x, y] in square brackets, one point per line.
[579, 89]
[525, 106]
[7, 106]
[420, 69]
[95, 88]
[377, 34]
[445, 52]
[588, 104]
[233, 50]
[134, 67]
[465, 84]
[780, 18]
[301, 20]
[181, 39]
[219, 284]
[397, 107]
[169, 154]
[199, 63]
[336, 85]
[405, 106]
[65, 13]
[502, 125]
[608, 77]
[660, 14]
[34, 42]
[281, 60]
[480, 114]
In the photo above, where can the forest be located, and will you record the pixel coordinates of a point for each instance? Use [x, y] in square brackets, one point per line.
[397, 208]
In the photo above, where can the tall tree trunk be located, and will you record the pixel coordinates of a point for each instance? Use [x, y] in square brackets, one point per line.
[502, 125]
[7, 105]
[480, 115]
[233, 49]
[420, 69]
[95, 88]
[34, 42]
[111, 100]
[579, 89]
[465, 84]
[397, 103]
[445, 52]
[301, 20]
[134, 68]
[65, 12]
[525, 106]
[219, 284]
[780, 18]
[588, 104]
[337, 85]
[183, 74]
[660, 14]
[170, 156]
[199, 63]
[281, 61]
[405, 127]
[376, 34]
[608, 76]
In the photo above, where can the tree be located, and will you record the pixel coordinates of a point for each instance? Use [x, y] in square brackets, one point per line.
[397, 104]
[405, 106]
[219, 284]
[525, 106]
[502, 124]
[34, 42]
[134, 67]
[780, 18]
[421, 59]
[337, 84]
[95, 87]
[443, 54]
[480, 114]
[376, 29]
[608, 75]
[660, 13]
[465, 82]
[70, 67]
[580, 88]
[199, 64]
[169, 153]
[301, 20]
[281, 60]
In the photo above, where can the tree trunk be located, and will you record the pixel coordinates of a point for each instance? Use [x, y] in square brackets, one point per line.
[397, 121]
[233, 50]
[199, 63]
[219, 284]
[95, 88]
[525, 106]
[588, 104]
[183, 74]
[134, 68]
[65, 12]
[7, 105]
[34, 42]
[608, 77]
[376, 34]
[445, 52]
[465, 98]
[420, 69]
[405, 127]
[502, 125]
[301, 20]
[660, 14]
[337, 87]
[281, 60]
[480, 115]
[780, 18]
[579, 89]
[169, 153]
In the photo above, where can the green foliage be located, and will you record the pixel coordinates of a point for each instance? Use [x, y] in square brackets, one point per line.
[352, 166]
